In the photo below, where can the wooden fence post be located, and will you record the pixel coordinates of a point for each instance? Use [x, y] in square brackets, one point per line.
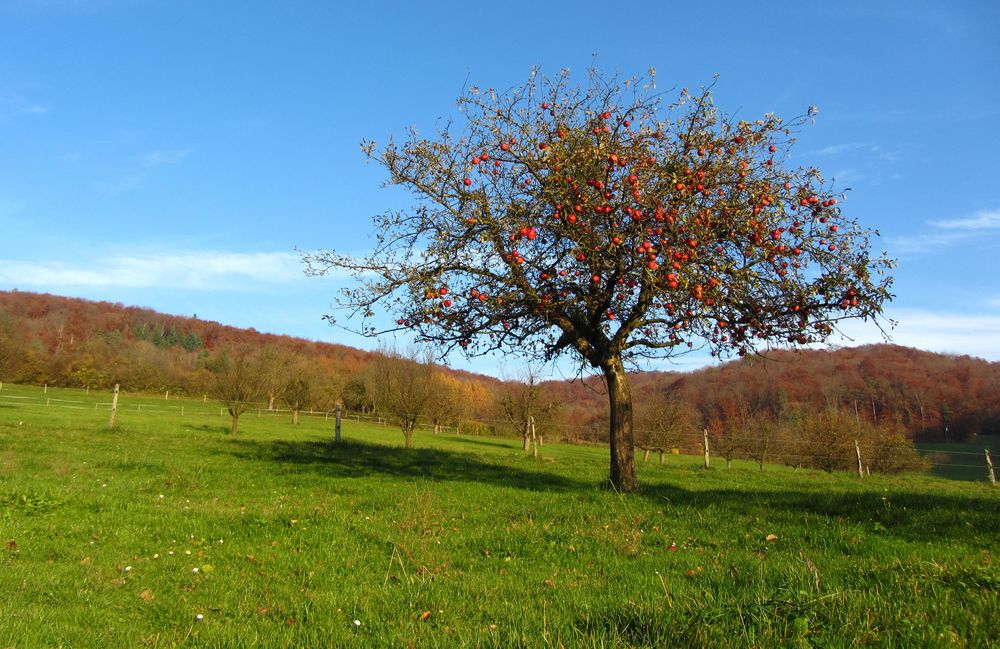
[989, 465]
[857, 451]
[336, 426]
[708, 460]
[114, 407]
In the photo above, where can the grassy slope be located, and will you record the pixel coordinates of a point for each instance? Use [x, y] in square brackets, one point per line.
[294, 539]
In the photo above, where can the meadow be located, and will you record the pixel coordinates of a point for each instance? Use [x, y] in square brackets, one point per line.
[167, 531]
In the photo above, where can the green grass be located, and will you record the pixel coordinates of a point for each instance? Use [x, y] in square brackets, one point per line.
[295, 538]
[962, 460]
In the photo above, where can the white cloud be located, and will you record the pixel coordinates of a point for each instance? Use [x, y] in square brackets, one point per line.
[837, 149]
[14, 103]
[981, 220]
[948, 232]
[948, 333]
[201, 270]
[163, 157]
[925, 242]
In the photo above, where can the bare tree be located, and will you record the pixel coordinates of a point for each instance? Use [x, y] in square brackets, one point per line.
[298, 391]
[239, 382]
[401, 386]
[662, 424]
[275, 372]
[522, 405]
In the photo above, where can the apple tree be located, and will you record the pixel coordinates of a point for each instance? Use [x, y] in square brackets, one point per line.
[614, 224]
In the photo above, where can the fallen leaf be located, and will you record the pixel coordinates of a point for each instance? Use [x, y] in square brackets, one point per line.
[548, 582]
[290, 621]
[86, 561]
[425, 615]
[12, 544]
[146, 595]
[262, 610]
[772, 537]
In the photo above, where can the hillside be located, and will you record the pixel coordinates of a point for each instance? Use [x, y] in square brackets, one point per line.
[79, 343]
[924, 392]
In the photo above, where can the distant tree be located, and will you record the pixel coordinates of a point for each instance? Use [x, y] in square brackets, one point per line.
[663, 423]
[276, 372]
[298, 392]
[601, 222]
[521, 403]
[826, 440]
[759, 438]
[238, 382]
[401, 386]
[355, 393]
[444, 406]
[11, 348]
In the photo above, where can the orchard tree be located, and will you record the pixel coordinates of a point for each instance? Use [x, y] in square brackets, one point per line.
[402, 386]
[239, 382]
[610, 223]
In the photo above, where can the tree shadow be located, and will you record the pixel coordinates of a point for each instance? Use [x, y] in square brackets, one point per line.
[912, 516]
[358, 459]
[483, 442]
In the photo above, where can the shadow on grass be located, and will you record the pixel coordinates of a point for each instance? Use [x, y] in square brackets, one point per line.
[910, 515]
[357, 459]
[913, 516]
[483, 442]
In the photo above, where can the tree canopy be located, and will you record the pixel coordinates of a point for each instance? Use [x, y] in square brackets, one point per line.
[611, 223]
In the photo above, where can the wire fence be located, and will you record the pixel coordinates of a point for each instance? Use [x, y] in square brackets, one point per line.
[964, 461]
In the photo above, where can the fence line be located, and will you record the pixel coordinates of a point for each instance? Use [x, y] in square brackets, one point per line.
[783, 451]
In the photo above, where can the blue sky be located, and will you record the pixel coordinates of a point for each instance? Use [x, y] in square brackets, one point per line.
[174, 154]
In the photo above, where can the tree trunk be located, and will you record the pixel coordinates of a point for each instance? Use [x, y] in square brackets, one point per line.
[621, 439]
[295, 417]
[408, 436]
[236, 423]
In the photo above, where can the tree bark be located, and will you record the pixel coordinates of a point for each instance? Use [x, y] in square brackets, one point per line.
[236, 423]
[621, 439]
[295, 417]
[408, 436]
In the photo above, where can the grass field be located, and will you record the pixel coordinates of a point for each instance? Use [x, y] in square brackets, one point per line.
[168, 532]
[962, 461]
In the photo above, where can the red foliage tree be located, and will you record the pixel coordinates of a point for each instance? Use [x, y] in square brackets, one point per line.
[599, 221]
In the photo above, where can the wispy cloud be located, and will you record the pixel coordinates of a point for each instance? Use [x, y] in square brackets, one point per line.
[925, 242]
[14, 103]
[162, 157]
[200, 270]
[944, 332]
[838, 149]
[143, 165]
[868, 149]
[948, 232]
[981, 220]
